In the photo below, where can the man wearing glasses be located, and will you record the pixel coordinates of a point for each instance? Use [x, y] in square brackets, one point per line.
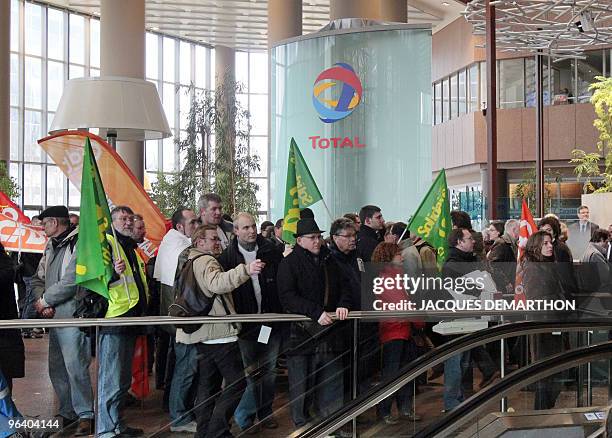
[310, 283]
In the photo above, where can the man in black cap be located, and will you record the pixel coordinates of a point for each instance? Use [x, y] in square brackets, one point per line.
[310, 283]
[69, 353]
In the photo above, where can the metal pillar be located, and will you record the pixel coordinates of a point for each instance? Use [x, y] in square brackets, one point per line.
[491, 201]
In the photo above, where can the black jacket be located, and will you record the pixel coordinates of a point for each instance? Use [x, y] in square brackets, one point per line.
[301, 289]
[367, 240]
[564, 264]
[244, 296]
[350, 271]
[12, 356]
[460, 263]
[502, 259]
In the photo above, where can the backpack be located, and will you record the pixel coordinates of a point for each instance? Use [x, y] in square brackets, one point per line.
[189, 300]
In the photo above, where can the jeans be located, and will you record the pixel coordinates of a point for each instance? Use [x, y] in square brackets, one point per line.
[29, 312]
[397, 353]
[259, 395]
[453, 372]
[314, 378]
[69, 359]
[185, 372]
[218, 363]
[114, 380]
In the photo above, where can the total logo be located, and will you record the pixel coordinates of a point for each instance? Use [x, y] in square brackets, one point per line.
[343, 76]
[344, 82]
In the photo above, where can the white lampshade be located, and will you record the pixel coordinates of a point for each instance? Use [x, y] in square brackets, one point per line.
[128, 106]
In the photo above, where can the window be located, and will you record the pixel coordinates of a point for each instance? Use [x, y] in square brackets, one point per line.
[437, 103]
[587, 70]
[473, 104]
[462, 92]
[483, 85]
[445, 97]
[511, 83]
[252, 73]
[454, 101]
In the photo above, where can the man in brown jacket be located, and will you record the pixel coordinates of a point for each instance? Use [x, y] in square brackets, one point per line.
[219, 356]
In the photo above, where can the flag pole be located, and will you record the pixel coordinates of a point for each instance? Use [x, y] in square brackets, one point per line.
[331, 218]
[116, 256]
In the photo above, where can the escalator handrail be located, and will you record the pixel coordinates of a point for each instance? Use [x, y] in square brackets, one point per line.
[432, 358]
[520, 378]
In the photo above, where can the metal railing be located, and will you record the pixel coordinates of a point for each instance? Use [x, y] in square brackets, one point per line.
[408, 373]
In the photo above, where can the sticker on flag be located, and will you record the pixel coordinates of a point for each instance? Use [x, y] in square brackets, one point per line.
[17, 236]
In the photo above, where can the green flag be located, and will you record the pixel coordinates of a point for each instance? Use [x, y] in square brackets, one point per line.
[94, 267]
[301, 191]
[432, 220]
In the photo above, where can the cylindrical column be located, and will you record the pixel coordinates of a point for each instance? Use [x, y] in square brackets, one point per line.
[491, 112]
[539, 137]
[284, 20]
[5, 80]
[225, 77]
[354, 9]
[122, 53]
[394, 10]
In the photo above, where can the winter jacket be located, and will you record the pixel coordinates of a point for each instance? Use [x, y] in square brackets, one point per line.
[541, 281]
[460, 263]
[564, 263]
[502, 260]
[12, 356]
[244, 296]
[302, 281]
[598, 265]
[367, 240]
[394, 329]
[55, 278]
[349, 267]
[214, 282]
[413, 266]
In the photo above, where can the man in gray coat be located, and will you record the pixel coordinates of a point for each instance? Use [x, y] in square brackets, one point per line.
[69, 353]
[595, 255]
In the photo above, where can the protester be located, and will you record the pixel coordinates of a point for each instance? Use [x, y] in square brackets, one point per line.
[492, 232]
[267, 229]
[128, 296]
[260, 295]
[355, 218]
[277, 237]
[139, 229]
[563, 255]
[311, 285]
[27, 265]
[502, 257]
[211, 213]
[69, 352]
[398, 347]
[184, 372]
[219, 360]
[595, 256]
[541, 281]
[371, 232]
[413, 265]
[74, 219]
[12, 357]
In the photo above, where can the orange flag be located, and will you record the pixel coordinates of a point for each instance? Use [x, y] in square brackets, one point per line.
[140, 369]
[10, 209]
[527, 228]
[121, 186]
[16, 236]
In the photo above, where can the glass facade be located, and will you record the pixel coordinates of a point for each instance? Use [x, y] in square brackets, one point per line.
[564, 82]
[51, 45]
[389, 128]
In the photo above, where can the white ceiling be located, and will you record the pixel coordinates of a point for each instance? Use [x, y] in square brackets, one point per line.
[242, 24]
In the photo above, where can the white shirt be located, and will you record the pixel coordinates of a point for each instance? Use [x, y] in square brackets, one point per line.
[170, 248]
[251, 256]
[223, 237]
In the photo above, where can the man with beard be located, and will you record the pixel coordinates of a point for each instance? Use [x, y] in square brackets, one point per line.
[128, 295]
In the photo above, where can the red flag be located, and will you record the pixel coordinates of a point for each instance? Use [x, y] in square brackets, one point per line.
[527, 228]
[10, 209]
[140, 370]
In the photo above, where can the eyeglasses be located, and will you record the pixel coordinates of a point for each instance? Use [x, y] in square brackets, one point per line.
[347, 236]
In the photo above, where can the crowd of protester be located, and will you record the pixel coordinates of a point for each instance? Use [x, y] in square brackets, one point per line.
[213, 373]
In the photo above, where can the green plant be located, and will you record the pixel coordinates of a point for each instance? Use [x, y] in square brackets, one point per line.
[526, 188]
[224, 167]
[8, 184]
[588, 165]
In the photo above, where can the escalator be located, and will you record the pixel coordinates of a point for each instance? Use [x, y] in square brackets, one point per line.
[480, 414]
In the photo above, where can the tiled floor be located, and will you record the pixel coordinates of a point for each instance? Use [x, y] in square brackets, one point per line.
[34, 397]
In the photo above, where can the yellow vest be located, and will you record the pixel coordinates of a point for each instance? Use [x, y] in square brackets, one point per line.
[121, 300]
